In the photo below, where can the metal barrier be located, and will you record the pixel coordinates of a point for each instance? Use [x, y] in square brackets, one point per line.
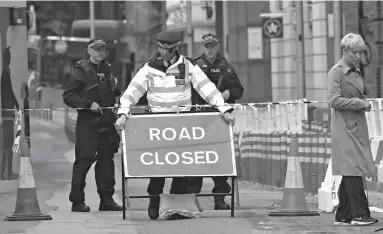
[262, 133]
[265, 131]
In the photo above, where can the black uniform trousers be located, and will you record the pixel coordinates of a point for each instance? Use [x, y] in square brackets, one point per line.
[220, 182]
[353, 202]
[220, 185]
[156, 186]
[92, 146]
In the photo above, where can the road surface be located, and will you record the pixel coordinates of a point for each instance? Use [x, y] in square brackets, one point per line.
[52, 156]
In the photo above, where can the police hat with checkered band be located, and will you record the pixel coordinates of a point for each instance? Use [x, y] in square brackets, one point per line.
[168, 39]
[96, 43]
[210, 38]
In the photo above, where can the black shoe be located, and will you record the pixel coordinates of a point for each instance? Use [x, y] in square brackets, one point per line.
[80, 207]
[342, 222]
[153, 209]
[220, 204]
[109, 205]
[363, 221]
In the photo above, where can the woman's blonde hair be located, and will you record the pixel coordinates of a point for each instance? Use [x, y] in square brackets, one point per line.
[352, 41]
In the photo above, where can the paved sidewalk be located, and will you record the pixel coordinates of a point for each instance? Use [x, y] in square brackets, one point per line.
[53, 165]
[94, 222]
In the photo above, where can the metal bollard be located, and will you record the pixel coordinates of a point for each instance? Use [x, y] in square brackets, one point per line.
[307, 161]
[237, 154]
[277, 164]
[314, 162]
[258, 156]
[321, 158]
[263, 159]
[246, 156]
[284, 151]
[252, 163]
[328, 150]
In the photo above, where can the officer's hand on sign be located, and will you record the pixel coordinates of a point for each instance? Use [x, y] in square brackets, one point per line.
[229, 117]
[120, 123]
[95, 107]
[366, 105]
[225, 95]
[114, 82]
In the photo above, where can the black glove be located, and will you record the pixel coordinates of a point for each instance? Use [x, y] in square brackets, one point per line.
[106, 120]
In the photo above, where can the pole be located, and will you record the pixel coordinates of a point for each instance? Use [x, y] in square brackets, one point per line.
[163, 15]
[189, 32]
[91, 17]
[379, 57]
[360, 26]
[338, 29]
[225, 31]
[300, 51]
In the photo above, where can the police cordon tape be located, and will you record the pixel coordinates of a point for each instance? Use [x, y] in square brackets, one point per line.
[250, 104]
[195, 105]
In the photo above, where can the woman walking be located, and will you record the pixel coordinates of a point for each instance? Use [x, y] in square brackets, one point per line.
[351, 152]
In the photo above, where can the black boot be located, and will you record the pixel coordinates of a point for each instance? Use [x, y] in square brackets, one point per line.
[80, 207]
[109, 205]
[154, 206]
[220, 203]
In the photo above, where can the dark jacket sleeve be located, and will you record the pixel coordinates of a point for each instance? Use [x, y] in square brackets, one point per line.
[233, 84]
[117, 91]
[72, 94]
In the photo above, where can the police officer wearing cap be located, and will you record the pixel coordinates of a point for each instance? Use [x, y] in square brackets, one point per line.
[223, 75]
[165, 80]
[92, 88]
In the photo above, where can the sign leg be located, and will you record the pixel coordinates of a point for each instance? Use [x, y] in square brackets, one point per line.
[232, 196]
[123, 186]
[237, 192]
[123, 182]
[123, 200]
[127, 193]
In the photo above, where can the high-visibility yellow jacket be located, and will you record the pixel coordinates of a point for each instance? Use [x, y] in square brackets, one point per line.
[166, 91]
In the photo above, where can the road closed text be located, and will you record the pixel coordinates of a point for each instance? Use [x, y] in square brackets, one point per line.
[176, 158]
[173, 158]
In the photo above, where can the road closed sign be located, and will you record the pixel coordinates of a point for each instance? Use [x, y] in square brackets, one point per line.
[170, 145]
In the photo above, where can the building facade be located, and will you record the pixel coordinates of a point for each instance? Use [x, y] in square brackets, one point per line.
[363, 17]
[247, 51]
[284, 76]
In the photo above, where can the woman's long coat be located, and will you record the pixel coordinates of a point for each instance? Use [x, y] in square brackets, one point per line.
[350, 144]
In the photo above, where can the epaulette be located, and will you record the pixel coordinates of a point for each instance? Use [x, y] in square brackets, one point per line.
[81, 61]
[154, 57]
[190, 59]
[84, 63]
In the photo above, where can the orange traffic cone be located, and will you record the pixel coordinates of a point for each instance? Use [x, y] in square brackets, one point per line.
[27, 206]
[294, 201]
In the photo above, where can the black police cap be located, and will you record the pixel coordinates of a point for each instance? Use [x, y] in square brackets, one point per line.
[168, 39]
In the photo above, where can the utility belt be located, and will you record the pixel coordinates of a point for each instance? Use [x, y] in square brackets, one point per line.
[104, 120]
[104, 124]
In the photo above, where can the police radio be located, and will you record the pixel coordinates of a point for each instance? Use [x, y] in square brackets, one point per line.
[181, 68]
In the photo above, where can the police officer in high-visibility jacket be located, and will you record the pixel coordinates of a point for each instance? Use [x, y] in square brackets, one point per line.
[167, 90]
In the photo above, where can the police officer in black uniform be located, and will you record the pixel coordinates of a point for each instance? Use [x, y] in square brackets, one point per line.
[92, 87]
[223, 75]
